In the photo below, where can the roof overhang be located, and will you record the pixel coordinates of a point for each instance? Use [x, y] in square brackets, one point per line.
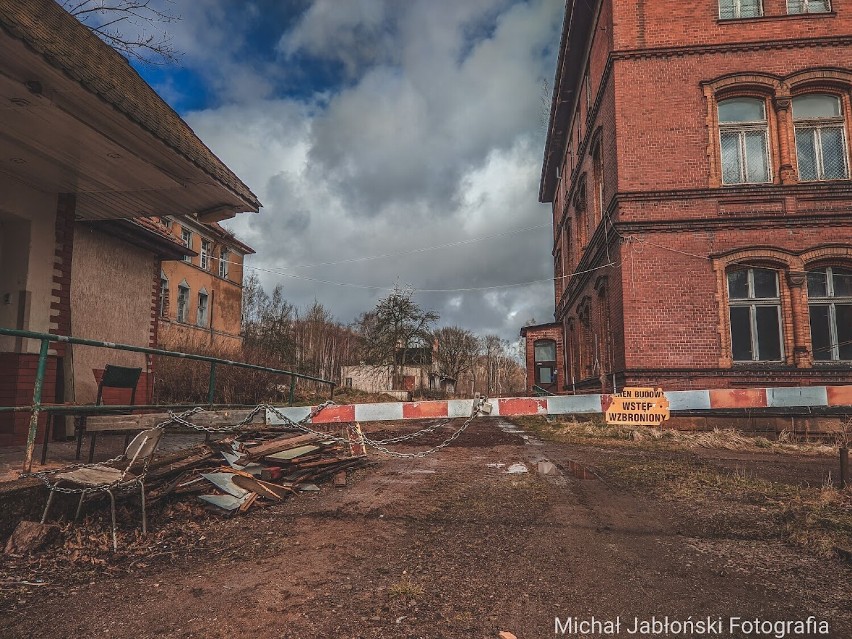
[144, 237]
[94, 128]
[576, 33]
[538, 327]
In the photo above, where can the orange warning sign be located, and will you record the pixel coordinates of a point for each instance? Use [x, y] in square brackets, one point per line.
[638, 407]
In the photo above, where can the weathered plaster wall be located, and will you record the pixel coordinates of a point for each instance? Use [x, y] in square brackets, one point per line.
[31, 252]
[110, 300]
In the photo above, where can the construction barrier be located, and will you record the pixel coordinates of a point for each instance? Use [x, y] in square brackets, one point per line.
[805, 397]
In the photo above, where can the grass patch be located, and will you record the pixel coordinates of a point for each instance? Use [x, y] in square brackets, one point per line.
[735, 504]
[406, 589]
[819, 520]
[596, 431]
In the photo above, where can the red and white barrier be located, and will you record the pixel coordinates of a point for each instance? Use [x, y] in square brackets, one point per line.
[781, 397]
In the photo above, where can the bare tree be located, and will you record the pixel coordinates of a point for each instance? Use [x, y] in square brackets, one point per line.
[395, 326]
[457, 351]
[128, 26]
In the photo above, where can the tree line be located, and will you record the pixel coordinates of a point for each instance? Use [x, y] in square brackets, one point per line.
[313, 342]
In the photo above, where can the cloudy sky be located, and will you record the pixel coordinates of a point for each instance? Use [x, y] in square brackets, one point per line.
[379, 128]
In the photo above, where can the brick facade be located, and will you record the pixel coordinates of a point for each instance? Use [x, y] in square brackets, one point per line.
[537, 334]
[645, 232]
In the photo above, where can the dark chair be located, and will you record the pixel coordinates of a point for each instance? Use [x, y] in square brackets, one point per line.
[113, 377]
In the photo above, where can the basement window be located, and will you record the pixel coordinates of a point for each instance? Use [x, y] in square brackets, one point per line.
[755, 315]
[202, 307]
[830, 307]
[736, 9]
[808, 6]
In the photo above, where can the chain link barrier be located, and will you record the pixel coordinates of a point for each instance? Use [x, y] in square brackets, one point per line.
[480, 407]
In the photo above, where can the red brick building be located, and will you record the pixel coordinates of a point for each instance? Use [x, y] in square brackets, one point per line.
[697, 162]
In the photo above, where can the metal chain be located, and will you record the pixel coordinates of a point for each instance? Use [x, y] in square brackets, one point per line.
[380, 444]
[423, 453]
[419, 433]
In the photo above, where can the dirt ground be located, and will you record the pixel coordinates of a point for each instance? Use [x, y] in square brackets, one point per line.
[454, 546]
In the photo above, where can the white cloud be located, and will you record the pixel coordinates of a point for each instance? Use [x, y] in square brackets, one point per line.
[435, 139]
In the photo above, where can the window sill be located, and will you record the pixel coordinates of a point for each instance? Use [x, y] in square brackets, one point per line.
[762, 365]
[831, 181]
[782, 16]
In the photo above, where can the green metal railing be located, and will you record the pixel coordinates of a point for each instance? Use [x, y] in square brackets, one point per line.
[46, 339]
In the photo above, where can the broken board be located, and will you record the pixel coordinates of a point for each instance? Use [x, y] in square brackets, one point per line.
[286, 455]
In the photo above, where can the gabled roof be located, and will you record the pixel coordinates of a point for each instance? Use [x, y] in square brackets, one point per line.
[70, 47]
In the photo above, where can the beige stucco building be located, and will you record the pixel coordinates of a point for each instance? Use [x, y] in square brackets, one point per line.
[201, 295]
[88, 152]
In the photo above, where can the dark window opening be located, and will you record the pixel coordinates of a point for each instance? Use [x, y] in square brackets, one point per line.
[830, 311]
[755, 315]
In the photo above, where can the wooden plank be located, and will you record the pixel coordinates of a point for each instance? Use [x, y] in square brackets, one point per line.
[277, 445]
[215, 418]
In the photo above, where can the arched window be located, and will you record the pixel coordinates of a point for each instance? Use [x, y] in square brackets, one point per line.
[830, 306]
[820, 137]
[743, 140]
[755, 315]
[545, 361]
[597, 164]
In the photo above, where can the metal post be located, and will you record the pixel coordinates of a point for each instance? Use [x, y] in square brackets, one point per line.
[211, 386]
[292, 389]
[39, 384]
[844, 468]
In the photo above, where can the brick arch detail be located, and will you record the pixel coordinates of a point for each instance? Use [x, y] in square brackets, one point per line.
[833, 252]
[807, 80]
[780, 89]
[782, 260]
[736, 83]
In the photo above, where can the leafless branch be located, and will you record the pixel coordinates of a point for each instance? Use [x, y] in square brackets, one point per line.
[137, 39]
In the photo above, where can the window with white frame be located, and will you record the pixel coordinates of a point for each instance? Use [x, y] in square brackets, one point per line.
[734, 9]
[224, 256]
[808, 6]
[202, 307]
[743, 141]
[186, 238]
[830, 306]
[820, 138]
[164, 293]
[755, 315]
[183, 302]
[204, 262]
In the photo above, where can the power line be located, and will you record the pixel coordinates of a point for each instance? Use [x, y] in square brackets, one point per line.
[430, 290]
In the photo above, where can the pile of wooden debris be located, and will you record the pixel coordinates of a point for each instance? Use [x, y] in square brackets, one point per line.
[233, 473]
